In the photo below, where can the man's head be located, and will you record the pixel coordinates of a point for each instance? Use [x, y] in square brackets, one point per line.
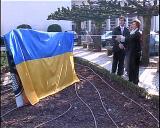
[122, 21]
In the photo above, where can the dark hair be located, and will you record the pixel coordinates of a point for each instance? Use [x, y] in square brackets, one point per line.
[123, 18]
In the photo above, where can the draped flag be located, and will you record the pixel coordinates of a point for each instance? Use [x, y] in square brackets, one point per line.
[44, 61]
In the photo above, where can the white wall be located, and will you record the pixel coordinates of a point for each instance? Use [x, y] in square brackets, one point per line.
[34, 13]
[155, 23]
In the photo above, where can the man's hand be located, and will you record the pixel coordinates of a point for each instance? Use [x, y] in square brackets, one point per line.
[122, 38]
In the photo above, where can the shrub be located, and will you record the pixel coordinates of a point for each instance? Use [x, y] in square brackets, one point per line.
[54, 28]
[2, 41]
[4, 61]
[25, 26]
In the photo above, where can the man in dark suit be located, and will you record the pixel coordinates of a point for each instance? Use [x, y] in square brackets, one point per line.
[119, 46]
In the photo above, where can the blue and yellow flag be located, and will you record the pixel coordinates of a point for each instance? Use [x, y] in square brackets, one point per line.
[44, 61]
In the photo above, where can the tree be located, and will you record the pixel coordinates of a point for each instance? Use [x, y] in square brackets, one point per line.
[54, 28]
[73, 14]
[95, 11]
[146, 9]
[98, 11]
[25, 26]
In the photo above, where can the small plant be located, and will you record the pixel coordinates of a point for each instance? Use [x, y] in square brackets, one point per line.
[4, 61]
[54, 28]
[3, 55]
[25, 26]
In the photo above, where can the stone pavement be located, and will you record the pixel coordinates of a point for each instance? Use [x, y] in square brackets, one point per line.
[149, 77]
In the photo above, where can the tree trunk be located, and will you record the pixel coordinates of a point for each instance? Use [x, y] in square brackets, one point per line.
[145, 38]
[97, 39]
[78, 30]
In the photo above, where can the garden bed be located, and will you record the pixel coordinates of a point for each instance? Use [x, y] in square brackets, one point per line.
[67, 110]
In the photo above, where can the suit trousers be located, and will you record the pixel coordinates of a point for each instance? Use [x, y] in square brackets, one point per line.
[134, 63]
[118, 62]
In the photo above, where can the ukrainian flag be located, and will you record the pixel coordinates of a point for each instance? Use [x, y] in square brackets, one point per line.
[44, 61]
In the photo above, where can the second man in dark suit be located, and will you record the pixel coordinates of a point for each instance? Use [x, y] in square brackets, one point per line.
[119, 47]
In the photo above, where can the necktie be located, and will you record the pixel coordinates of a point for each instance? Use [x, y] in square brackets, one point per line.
[122, 30]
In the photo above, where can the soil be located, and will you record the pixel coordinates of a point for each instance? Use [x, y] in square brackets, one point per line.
[66, 110]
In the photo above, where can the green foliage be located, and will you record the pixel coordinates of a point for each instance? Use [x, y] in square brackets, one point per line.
[54, 28]
[100, 10]
[25, 26]
[4, 61]
[141, 92]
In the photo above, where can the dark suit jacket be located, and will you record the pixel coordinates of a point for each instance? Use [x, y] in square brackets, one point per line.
[117, 31]
[134, 43]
